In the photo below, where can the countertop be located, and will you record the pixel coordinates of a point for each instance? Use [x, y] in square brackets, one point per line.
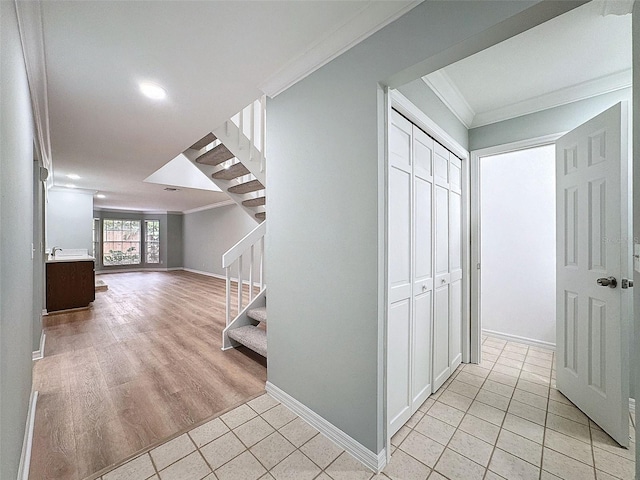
[70, 258]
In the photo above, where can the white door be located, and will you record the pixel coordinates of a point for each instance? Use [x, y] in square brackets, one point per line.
[399, 397]
[593, 311]
[423, 266]
[447, 336]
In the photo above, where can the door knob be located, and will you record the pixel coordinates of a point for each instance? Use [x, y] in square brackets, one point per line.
[610, 282]
[424, 288]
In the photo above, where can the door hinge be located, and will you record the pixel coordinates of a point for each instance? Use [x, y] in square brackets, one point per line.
[626, 283]
[478, 266]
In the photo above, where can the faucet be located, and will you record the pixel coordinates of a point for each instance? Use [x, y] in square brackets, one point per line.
[53, 251]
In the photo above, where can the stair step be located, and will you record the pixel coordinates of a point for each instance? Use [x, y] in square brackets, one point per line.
[251, 337]
[247, 187]
[204, 141]
[215, 156]
[261, 215]
[259, 314]
[255, 202]
[234, 171]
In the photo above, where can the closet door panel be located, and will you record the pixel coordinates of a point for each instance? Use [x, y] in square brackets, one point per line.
[455, 324]
[441, 369]
[421, 361]
[399, 234]
[441, 233]
[398, 364]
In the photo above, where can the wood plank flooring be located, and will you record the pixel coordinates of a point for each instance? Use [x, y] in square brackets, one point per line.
[140, 365]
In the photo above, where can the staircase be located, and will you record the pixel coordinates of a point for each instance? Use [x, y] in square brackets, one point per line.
[232, 156]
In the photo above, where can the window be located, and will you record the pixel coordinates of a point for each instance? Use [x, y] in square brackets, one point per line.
[152, 240]
[121, 242]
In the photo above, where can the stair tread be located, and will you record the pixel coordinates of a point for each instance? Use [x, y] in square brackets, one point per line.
[255, 202]
[259, 314]
[215, 156]
[247, 187]
[251, 337]
[261, 215]
[204, 141]
[234, 171]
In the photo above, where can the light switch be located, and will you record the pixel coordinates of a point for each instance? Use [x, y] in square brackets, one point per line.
[636, 257]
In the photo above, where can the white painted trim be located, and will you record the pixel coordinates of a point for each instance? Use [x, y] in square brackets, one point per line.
[476, 227]
[417, 116]
[632, 405]
[374, 461]
[582, 91]
[221, 277]
[107, 270]
[516, 338]
[447, 91]
[27, 443]
[39, 354]
[368, 20]
[209, 207]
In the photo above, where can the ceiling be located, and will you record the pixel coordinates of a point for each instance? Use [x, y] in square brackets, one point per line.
[585, 52]
[212, 58]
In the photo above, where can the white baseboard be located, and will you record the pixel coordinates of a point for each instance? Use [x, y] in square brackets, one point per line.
[132, 270]
[375, 462]
[517, 338]
[27, 443]
[38, 354]
[215, 275]
[632, 405]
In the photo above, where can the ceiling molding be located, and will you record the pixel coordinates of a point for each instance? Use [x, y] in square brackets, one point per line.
[209, 207]
[574, 93]
[448, 92]
[370, 19]
[32, 39]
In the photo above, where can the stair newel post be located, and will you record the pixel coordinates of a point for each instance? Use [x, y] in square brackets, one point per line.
[239, 284]
[228, 272]
[261, 262]
[251, 276]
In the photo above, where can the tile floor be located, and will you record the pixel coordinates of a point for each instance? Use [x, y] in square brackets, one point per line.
[502, 419]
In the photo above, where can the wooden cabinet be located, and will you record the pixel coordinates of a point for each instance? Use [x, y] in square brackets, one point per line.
[70, 285]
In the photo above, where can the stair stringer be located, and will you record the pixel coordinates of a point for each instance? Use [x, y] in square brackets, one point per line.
[243, 319]
[223, 185]
[238, 144]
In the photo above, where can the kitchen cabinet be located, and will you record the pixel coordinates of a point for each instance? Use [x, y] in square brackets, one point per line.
[70, 284]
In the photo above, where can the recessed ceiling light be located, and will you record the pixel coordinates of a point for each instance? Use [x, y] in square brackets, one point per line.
[100, 195]
[70, 185]
[153, 90]
[171, 189]
[73, 176]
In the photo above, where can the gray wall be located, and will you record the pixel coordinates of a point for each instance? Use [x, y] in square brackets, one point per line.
[16, 235]
[210, 233]
[174, 241]
[423, 97]
[636, 206]
[69, 219]
[547, 122]
[170, 230]
[327, 334]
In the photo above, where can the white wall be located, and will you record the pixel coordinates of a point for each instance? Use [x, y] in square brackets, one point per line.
[518, 295]
[69, 219]
[16, 236]
[635, 353]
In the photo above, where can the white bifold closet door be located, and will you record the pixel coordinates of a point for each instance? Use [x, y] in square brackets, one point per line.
[415, 224]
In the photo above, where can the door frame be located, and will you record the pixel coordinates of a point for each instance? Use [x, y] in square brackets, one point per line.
[476, 227]
[393, 99]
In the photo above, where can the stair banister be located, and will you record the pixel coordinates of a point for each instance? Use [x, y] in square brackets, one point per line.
[235, 254]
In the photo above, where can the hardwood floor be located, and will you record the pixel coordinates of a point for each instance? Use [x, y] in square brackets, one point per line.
[142, 364]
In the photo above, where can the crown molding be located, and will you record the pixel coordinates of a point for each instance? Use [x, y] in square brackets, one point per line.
[448, 92]
[574, 93]
[31, 30]
[209, 207]
[371, 18]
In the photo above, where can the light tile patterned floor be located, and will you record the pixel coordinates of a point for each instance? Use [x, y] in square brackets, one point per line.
[502, 419]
